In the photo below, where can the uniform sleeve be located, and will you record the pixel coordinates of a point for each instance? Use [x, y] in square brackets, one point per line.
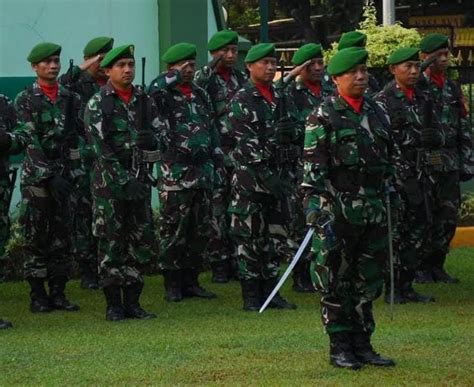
[114, 172]
[70, 78]
[18, 131]
[465, 141]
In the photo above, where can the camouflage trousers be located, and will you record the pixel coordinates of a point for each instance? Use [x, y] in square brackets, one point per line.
[84, 244]
[444, 204]
[350, 275]
[219, 248]
[126, 240]
[47, 230]
[4, 221]
[259, 231]
[184, 228]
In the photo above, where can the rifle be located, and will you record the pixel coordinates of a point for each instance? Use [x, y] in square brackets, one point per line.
[143, 160]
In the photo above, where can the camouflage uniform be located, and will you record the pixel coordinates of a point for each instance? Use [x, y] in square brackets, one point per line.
[407, 119]
[85, 245]
[186, 176]
[456, 163]
[347, 157]
[46, 222]
[259, 219]
[122, 225]
[221, 92]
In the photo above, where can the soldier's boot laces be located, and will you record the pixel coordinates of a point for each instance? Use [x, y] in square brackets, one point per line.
[340, 352]
[220, 272]
[4, 324]
[113, 298]
[173, 286]
[191, 287]
[57, 298]
[251, 295]
[39, 297]
[131, 303]
[424, 277]
[277, 302]
[439, 274]
[364, 352]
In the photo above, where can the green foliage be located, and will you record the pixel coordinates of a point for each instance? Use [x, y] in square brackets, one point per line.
[381, 40]
[242, 13]
[466, 210]
[215, 343]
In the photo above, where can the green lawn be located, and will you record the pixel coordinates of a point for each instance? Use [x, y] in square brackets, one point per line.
[214, 342]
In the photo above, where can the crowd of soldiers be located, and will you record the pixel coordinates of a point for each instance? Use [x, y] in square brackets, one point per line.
[244, 166]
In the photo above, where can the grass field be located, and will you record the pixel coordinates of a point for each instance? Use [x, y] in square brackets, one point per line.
[214, 342]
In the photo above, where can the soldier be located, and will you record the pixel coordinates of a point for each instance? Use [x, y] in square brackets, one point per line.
[358, 39]
[190, 152]
[307, 91]
[417, 135]
[221, 80]
[86, 80]
[261, 181]
[122, 123]
[50, 168]
[13, 139]
[348, 156]
[452, 164]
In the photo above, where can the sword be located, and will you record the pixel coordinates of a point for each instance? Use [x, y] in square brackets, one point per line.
[293, 263]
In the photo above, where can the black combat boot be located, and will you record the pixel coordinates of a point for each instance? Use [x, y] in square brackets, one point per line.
[39, 297]
[410, 295]
[251, 295]
[397, 296]
[364, 352]
[340, 352]
[220, 272]
[113, 297]
[4, 324]
[173, 285]
[424, 277]
[302, 279]
[399, 279]
[191, 287]
[277, 302]
[89, 277]
[439, 274]
[57, 298]
[131, 302]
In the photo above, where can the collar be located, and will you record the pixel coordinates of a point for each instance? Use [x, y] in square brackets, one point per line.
[355, 103]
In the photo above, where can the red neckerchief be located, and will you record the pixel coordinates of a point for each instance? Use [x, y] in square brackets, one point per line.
[101, 82]
[314, 87]
[439, 79]
[125, 95]
[49, 91]
[266, 91]
[408, 91]
[355, 103]
[224, 72]
[186, 89]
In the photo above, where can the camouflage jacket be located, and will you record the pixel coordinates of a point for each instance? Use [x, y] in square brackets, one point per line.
[259, 153]
[407, 119]
[452, 113]
[190, 145]
[347, 159]
[18, 133]
[113, 126]
[50, 142]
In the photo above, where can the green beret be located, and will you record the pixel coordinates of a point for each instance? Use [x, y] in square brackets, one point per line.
[222, 39]
[403, 54]
[260, 51]
[306, 52]
[433, 42]
[352, 39]
[98, 45]
[179, 52]
[347, 59]
[42, 51]
[117, 53]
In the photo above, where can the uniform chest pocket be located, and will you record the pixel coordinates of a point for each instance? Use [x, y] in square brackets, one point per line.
[346, 146]
[46, 117]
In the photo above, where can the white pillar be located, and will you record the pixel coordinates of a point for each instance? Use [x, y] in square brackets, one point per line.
[388, 12]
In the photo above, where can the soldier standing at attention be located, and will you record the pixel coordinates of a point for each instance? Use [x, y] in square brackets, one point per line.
[186, 173]
[86, 80]
[259, 183]
[51, 166]
[122, 123]
[13, 139]
[451, 164]
[417, 133]
[348, 157]
[221, 80]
